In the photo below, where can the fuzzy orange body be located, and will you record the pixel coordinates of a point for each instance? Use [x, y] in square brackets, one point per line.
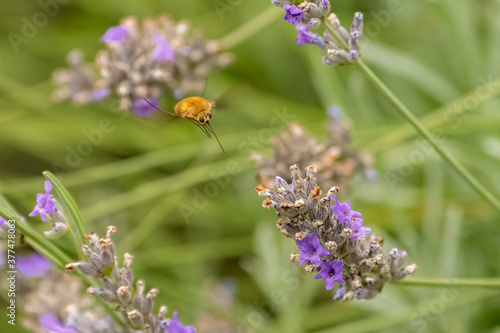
[194, 108]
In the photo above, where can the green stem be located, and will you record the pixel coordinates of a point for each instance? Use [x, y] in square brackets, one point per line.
[445, 155]
[250, 28]
[451, 283]
[412, 120]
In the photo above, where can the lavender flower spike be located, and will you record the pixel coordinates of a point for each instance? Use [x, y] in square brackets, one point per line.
[331, 272]
[176, 327]
[293, 14]
[311, 250]
[311, 219]
[115, 35]
[44, 203]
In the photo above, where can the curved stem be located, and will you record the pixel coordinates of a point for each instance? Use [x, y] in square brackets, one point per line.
[412, 120]
[250, 28]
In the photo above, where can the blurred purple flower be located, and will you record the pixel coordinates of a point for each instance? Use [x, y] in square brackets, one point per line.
[100, 94]
[115, 34]
[304, 36]
[344, 212]
[143, 108]
[50, 323]
[3, 222]
[340, 293]
[176, 327]
[331, 272]
[293, 14]
[311, 250]
[33, 265]
[44, 203]
[162, 51]
[358, 230]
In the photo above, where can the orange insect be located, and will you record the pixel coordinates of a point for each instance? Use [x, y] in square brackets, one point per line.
[198, 111]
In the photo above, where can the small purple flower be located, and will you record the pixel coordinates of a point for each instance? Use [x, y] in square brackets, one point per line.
[162, 51]
[33, 265]
[143, 108]
[311, 250]
[358, 230]
[331, 272]
[100, 94]
[176, 327]
[3, 222]
[304, 36]
[115, 35]
[44, 203]
[335, 113]
[293, 14]
[344, 212]
[325, 2]
[50, 323]
[340, 293]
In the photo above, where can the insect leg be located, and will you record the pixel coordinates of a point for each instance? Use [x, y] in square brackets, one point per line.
[203, 129]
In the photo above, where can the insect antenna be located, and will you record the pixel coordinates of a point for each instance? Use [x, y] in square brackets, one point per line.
[215, 136]
[173, 114]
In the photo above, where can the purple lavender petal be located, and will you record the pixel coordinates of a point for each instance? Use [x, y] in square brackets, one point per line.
[48, 186]
[176, 327]
[311, 250]
[3, 222]
[331, 272]
[344, 212]
[293, 14]
[304, 36]
[115, 35]
[44, 203]
[162, 50]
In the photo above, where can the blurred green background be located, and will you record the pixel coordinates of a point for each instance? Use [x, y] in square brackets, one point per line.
[440, 57]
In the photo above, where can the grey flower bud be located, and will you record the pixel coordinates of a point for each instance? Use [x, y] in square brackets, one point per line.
[136, 318]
